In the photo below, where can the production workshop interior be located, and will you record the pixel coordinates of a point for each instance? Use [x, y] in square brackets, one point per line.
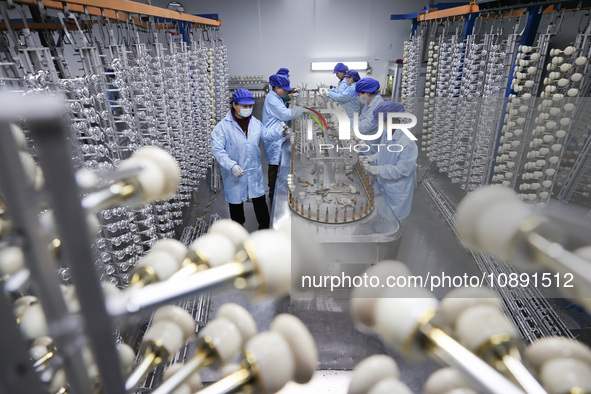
[313, 196]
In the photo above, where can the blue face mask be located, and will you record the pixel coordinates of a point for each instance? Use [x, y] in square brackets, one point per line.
[361, 100]
[245, 112]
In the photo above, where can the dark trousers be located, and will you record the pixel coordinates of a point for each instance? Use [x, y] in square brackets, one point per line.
[261, 211]
[272, 173]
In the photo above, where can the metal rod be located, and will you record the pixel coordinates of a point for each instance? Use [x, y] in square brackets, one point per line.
[522, 374]
[54, 155]
[200, 360]
[230, 383]
[171, 290]
[141, 371]
[23, 206]
[457, 356]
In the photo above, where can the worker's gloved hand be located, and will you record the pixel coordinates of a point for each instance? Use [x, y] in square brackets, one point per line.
[237, 171]
[284, 129]
[369, 159]
[374, 170]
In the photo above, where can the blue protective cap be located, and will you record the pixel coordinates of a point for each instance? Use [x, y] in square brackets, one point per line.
[353, 74]
[283, 71]
[280, 80]
[340, 68]
[243, 97]
[385, 107]
[367, 85]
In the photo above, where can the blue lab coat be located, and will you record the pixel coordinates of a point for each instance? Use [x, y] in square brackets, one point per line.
[230, 146]
[275, 112]
[347, 98]
[396, 177]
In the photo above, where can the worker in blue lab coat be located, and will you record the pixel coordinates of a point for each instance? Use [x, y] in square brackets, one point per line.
[340, 70]
[235, 145]
[275, 112]
[394, 167]
[289, 96]
[348, 98]
[368, 91]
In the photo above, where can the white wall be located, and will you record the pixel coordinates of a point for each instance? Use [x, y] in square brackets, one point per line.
[264, 35]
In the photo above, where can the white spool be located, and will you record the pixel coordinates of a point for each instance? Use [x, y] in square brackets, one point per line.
[151, 178]
[581, 60]
[497, 224]
[301, 344]
[364, 299]
[572, 92]
[478, 324]
[273, 359]
[173, 247]
[560, 375]
[569, 107]
[562, 82]
[177, 315]
[473, 205]
[163, 263]
[232, 230]
[223, 334]
[397, 318]
[447, 381]
[167, 164]
[215, 248]
[461, 299]
[274, 262]
[241, 319]
[12, 259]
